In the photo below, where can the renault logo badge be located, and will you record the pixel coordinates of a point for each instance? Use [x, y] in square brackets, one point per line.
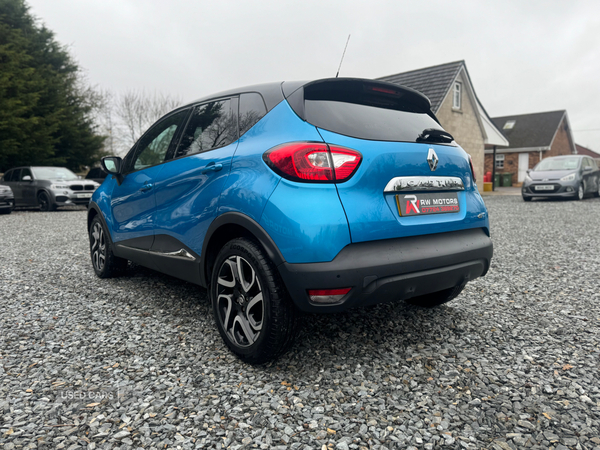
[432, 159]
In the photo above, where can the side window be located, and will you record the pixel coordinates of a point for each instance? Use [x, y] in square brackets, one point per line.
[500, 161]
[456, 97]
[252, 109]
[211, 125]
[8, 175]
[24, 173]
[153, 146]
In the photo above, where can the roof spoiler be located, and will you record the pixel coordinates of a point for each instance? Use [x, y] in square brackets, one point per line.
[355, 90]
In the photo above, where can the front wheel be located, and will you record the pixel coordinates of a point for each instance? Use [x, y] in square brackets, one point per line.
[252, 309]
[580, 192]
[105, 263]
[436, 298]
[45, 203]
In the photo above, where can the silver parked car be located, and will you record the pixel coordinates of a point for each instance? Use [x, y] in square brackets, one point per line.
[570, 176]
[48, 187]
[7, 199]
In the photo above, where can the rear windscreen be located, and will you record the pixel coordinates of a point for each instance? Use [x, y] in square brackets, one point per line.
[366, 110]
[368, 122]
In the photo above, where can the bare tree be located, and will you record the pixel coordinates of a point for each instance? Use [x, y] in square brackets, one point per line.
[123, 118]
[104, 118]
[136, 111]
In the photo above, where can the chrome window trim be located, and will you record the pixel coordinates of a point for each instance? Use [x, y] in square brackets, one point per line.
[399, 184]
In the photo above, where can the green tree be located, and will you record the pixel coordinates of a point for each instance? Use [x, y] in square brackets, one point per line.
[46, 112]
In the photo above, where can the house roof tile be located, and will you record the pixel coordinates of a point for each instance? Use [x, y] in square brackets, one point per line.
[581, 150]
[530, 130]
[434, 81]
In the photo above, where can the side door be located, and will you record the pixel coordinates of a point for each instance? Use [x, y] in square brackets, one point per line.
[189, 186]
[132, 202]
[588, 175]
[27, 188]
[594, 176]
[596, 173]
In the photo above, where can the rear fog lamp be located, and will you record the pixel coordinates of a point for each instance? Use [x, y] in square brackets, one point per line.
[327, 296]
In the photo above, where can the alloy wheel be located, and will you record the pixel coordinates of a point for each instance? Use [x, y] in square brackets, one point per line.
[240, 302]
[580, 192]
[44, 202]
[98, 247]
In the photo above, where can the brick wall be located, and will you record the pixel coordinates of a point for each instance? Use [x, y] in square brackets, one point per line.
[464, 126]
[560, 146]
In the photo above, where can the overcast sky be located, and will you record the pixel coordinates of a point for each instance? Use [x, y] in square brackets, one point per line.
[522, 56]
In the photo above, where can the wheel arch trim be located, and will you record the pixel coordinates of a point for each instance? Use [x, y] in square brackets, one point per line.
[238, 220]
[93, 211]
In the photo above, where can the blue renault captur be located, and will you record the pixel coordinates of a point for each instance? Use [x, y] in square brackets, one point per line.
[296, 196]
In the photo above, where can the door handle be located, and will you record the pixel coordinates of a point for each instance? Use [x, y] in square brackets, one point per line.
[212, 167]
[146, 187]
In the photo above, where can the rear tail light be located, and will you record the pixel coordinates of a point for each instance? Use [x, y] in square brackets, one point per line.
[326, 296]
[472, 170]
[313, 162]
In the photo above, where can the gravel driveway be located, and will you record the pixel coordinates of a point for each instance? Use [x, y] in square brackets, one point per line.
[136, 362]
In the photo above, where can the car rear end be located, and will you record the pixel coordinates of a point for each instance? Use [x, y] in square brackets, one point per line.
[382, 206]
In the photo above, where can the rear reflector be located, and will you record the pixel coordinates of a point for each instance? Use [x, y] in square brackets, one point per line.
[314, 162]
[325, 296]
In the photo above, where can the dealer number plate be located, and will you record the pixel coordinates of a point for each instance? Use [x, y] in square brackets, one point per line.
[84, 195]
[430, 203]
[544, 187]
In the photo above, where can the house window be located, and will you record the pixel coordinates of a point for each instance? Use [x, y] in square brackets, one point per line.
[456, 98]
[499, 161]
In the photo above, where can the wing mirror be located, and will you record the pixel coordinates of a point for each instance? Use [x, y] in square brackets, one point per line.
[112, 165]
[26, 178]
[588, 169]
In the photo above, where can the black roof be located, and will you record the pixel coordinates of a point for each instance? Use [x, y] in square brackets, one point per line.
[434, 82]
[273, 93]
[530, 130]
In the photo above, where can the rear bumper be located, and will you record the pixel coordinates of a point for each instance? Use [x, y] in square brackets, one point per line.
[392, 269]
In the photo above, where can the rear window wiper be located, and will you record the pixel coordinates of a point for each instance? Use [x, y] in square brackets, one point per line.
[435, 135]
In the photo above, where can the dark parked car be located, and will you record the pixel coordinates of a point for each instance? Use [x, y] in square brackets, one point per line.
[289, 197]
[48, 187]
[96, 174]
[7, 199]
[571, 176]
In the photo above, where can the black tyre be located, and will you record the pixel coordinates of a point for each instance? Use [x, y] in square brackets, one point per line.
[45, 202]
[105, 263]
[252, 308]
[436, 298]
[526, 199]
[597, 193]
[580, 193]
